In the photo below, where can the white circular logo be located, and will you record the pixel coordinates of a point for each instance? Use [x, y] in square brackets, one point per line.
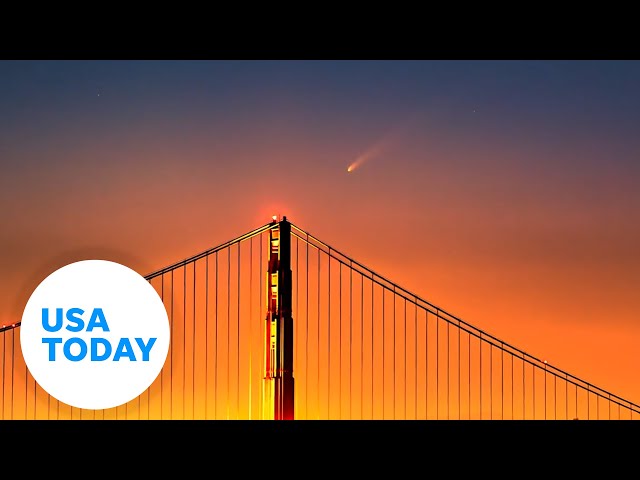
[95, 334]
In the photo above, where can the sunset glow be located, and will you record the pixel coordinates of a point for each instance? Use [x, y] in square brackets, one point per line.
[509, 199]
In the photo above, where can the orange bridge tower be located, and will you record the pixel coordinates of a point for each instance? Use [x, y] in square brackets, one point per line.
[278, 385]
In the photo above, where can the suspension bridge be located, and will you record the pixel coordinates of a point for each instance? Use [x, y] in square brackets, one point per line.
[277, 324]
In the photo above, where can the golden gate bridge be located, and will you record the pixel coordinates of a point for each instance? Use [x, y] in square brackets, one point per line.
[277, 324]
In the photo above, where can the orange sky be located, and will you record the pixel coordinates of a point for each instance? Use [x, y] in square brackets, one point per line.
[522, 225]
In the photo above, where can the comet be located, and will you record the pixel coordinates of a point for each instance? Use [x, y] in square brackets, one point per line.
[374, 150]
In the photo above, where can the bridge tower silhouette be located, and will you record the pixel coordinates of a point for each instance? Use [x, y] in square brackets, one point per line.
[278, 381]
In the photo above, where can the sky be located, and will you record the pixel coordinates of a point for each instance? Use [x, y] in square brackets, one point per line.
[503, 191]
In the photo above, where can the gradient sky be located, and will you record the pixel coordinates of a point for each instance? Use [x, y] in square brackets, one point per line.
[505, 192]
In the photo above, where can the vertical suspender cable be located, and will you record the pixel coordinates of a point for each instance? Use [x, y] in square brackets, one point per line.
[215, 385]
[4, 354]
[361, 345]
[404, 330]
[426, 363]
[512, 402]
[502, 380]
[206, 335]
[437, 365]
[372, 345]
[318, 346]
[306, 336]
[329, 340]
[228, 389]
[383, 335]
[469, 359]
[415, 358]
[545, 391]
[184, 337]
[161, 375]
[350, 331]
[480, 348]
[193, 347]
[13, 332]
[238, 343]
[566, 397]
[394, 354]
[250, 404]
[295, 328]
[555, 413]
[261, 303]
[172, 336]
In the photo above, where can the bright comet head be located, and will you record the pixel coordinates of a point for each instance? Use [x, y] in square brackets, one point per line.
[349, 169]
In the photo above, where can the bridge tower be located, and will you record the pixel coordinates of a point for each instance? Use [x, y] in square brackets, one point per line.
[278, 384]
